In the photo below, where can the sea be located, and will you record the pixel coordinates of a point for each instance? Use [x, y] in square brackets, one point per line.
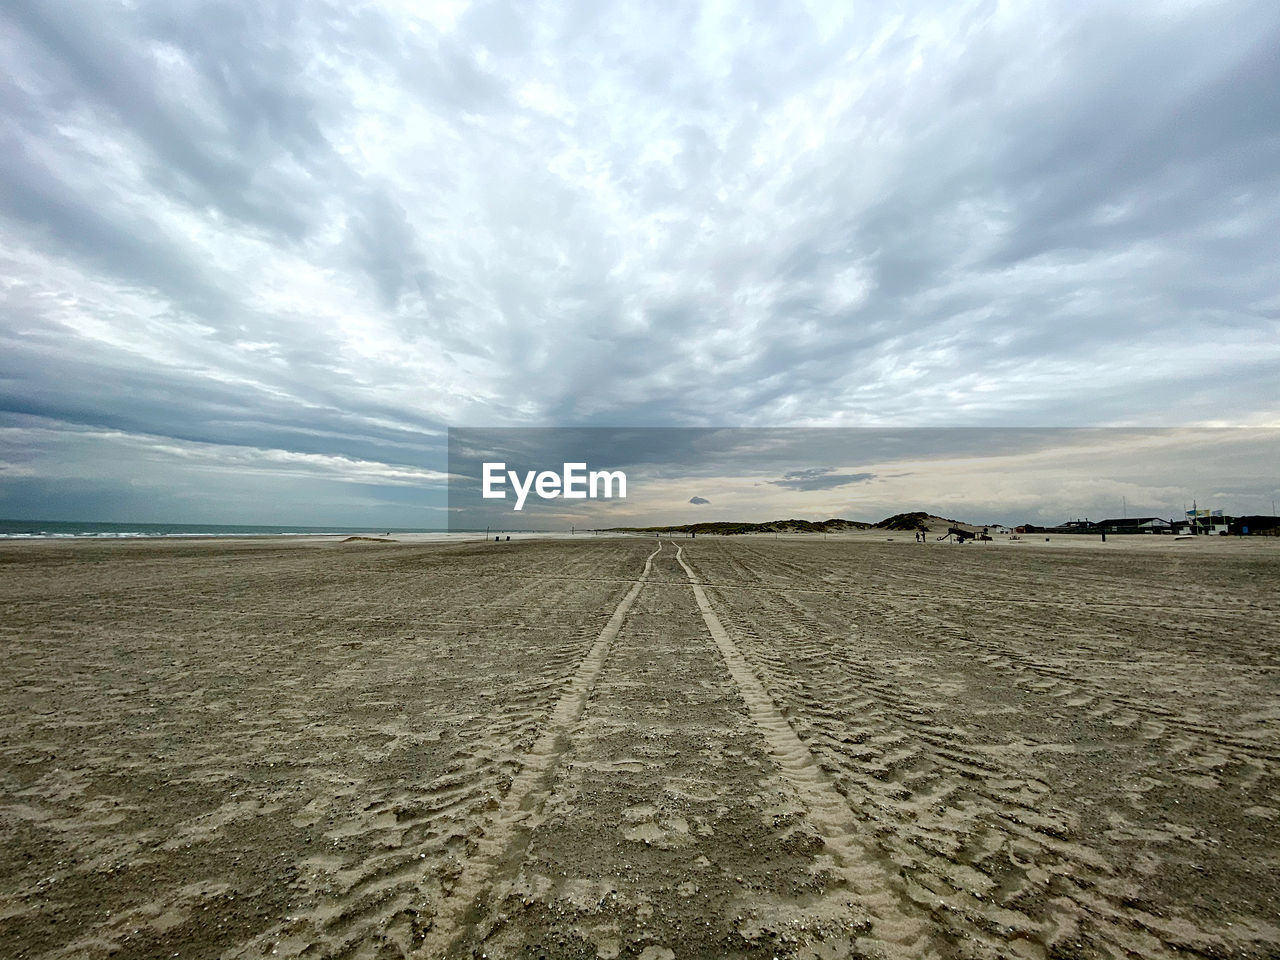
[51, 529]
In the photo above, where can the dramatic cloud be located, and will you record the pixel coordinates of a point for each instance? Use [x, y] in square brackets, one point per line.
[331, 230]
[820, 478]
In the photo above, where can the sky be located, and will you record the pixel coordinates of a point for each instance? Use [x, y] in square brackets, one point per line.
[257, 258]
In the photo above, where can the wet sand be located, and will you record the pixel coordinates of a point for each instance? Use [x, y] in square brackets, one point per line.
[591, 747]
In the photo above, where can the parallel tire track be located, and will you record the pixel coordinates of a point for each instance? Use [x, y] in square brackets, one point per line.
[898, 929]
[498, 851]
[977, 837]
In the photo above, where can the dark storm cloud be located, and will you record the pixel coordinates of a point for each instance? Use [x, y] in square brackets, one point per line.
[820, 479]
[332, 229]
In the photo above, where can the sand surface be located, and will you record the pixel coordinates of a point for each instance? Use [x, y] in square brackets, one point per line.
[591, 747]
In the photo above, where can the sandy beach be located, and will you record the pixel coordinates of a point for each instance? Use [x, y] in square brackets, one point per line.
[640, 748]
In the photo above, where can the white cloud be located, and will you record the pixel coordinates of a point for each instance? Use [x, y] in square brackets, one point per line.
[334, 234]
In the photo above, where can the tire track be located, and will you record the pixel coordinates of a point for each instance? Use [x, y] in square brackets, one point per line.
[788, 587]
[391, 836]
[954, 810]
[1008, 865]
[898, 930]
[499, 849]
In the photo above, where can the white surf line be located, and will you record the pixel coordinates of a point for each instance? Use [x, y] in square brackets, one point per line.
[528, 791]
[895, 931]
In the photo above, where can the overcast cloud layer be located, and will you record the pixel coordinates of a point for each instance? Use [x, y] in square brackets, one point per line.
[254, 258]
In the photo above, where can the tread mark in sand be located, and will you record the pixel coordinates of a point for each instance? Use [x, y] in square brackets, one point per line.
[899, 932]
[499, 845]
